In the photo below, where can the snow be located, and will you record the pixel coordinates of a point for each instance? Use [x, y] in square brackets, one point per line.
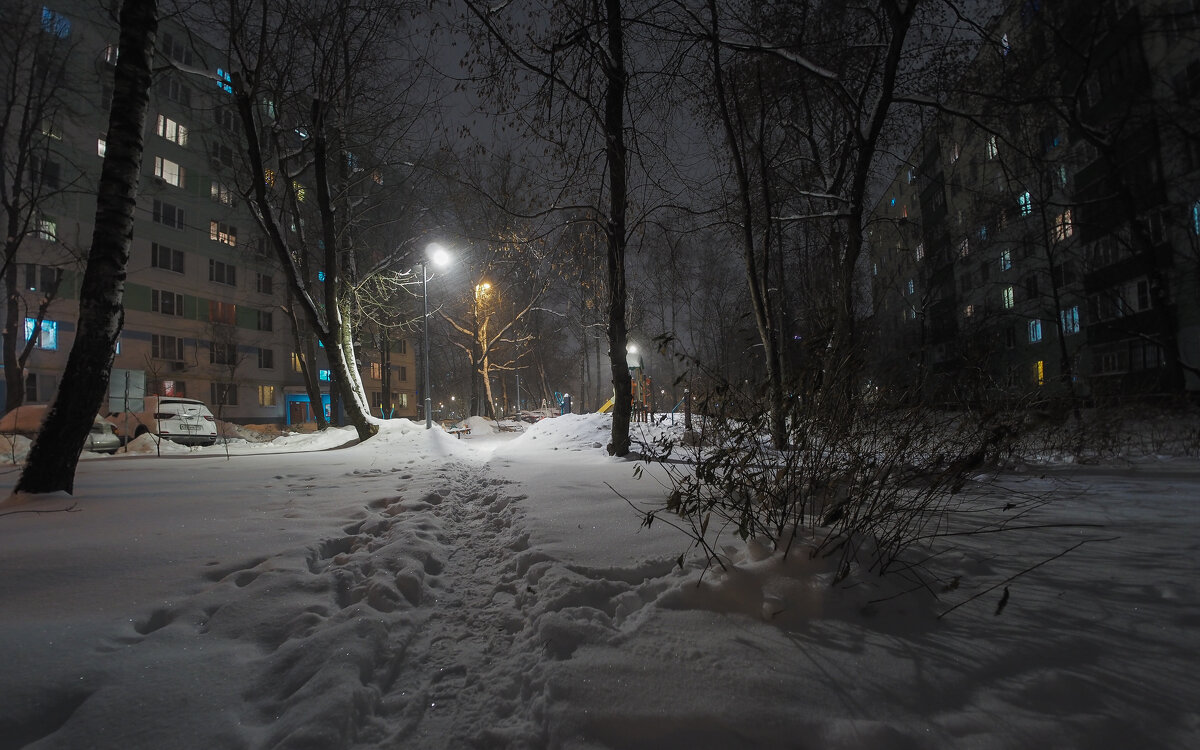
[421, 590]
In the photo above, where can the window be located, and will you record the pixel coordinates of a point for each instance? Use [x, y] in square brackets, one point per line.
[1062, 175]
[171, 130]
[1025, 203]
[920, 251]
[222, 194]
[1035, 331]
[42, 278]
[1070, 320]
[1039, 372]
[263, 283]
[110, 54]
[224, 233]
[47, 173]
[55, 24]
[221, 155]
[173, 388]
[1196, 218]
[964, 248]
[403, 374]
[47, 229]
[47, 333]
[222, 273]
[983, 233]
[955, 153]
[222, 312]
[167, 303]
[101, 147]
[224, 81]
[166, 347]
[993, 147]
[402, 346]
[224, 394]
[168, 215]
[296, 361]
[168, 171]
[222, 353]
[266, 359]
[1010, 338]
[298, 189]
[1008, 298]
[266, 321]
[165, 258]
[224, 118]
[912, 286]
[269, 177]
[176, 49]
[969, 311]
[174, 90]
[266, 395]
[376, 371]
[323, 375]
[1063, 228]
[1005, 45]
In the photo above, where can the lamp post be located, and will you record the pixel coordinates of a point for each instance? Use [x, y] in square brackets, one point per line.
[436, 253]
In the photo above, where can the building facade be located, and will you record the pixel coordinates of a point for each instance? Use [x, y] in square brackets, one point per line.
[1042, 238]
[206, 302]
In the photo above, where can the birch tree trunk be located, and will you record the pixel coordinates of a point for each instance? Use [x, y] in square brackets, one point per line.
[55, 453]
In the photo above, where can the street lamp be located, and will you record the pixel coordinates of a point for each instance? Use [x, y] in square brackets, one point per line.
[438, 255]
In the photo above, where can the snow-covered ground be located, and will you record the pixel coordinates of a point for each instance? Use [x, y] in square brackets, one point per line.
[423, 591]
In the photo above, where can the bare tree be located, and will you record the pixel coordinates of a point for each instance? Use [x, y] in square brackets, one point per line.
[55, 453]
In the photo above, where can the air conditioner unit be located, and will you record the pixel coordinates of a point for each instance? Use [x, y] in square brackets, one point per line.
[178, 366]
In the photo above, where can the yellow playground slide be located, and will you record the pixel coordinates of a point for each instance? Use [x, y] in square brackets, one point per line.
[608, 405]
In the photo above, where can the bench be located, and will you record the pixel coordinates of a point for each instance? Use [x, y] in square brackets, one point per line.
[458, 432]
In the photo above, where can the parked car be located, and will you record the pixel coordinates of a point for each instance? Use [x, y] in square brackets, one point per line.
[180, 420]
[27, 420]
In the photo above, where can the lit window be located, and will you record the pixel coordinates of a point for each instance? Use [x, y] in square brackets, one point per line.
[964, 248]
[1062, 175]
[1196, 218]
[993, 147]
[299, 190]
[171, 130]
[323, 375]
[1009, 299]
[55, 23]
[920, 251]
[47, 333]
[969, 311]
[1039, 371]
[296, 362]
[222, 194]
[1063, 228]
[168, 171]
[1025, 202]
[269, 177]
[1005, 46]
[224, 233]
[224, 81]
[266, 395]
[1005, 260]
[110, 54]
[1070, 320]
[912, 286]
[47, 229]
[101, 147]
[1035, 331]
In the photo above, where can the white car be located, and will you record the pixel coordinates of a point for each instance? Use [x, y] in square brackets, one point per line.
[27, 420]
[180, 420]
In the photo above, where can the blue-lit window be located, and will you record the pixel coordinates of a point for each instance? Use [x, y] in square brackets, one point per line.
[1025, 202]
[323, 375]
[983, 232]
[55, 23]
[1035, 331]
[224, 80]
[1196, 218]
[47, 337]
[1070, 320]
[912, 286]
[1005, 260]
[320, 275]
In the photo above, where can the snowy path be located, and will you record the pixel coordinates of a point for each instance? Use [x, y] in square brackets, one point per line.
[419, 591]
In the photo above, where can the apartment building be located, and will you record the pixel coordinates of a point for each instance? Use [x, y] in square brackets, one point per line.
[1042, 237]
[206, 300]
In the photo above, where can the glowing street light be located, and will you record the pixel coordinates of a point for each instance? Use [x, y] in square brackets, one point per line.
[436, 254]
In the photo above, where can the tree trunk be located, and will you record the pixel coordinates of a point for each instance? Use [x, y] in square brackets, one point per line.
[14, 374]
[55, 453]
[614, 129]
